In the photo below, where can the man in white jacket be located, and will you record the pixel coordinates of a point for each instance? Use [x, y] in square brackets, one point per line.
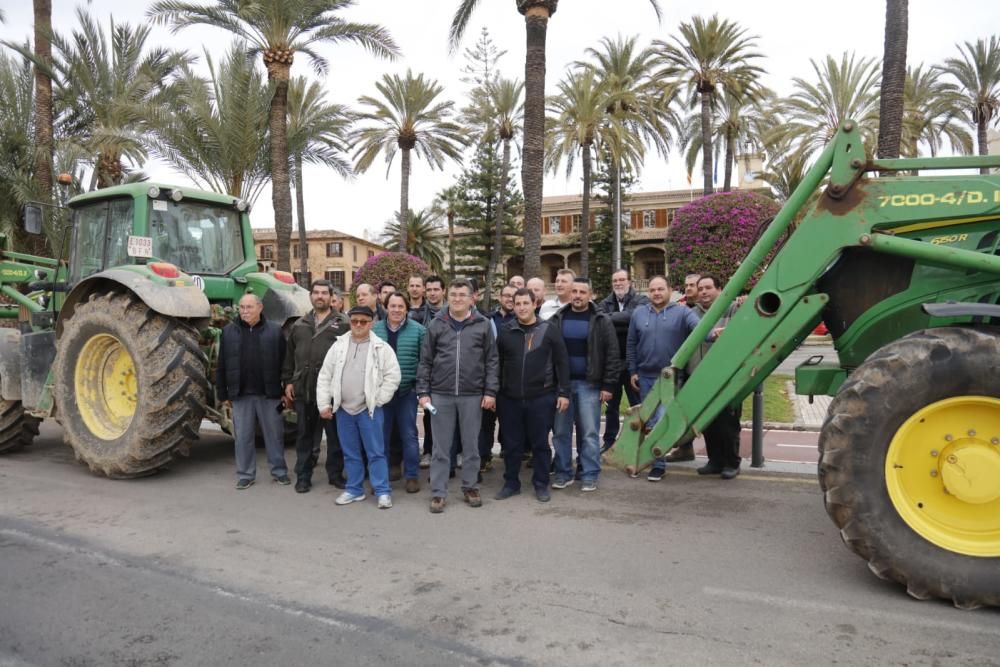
[360, 374]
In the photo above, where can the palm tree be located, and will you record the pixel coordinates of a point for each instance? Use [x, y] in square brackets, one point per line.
[317, 134]
[507, 106]
[406, 118]
[422, 235]
[890, 124]
[216, 134]
[16, 129]
[447, 204]
[841, 90]
[277, 30]
[44, 144]
[933, 113]
[710, 58]
[536, 19]
[978, 73]
[111, 86]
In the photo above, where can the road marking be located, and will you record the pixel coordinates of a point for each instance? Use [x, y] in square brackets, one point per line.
[851, 611]
[796, 446]
[691, 472]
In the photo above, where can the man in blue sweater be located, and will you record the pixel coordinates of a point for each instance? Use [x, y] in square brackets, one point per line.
[655, 333]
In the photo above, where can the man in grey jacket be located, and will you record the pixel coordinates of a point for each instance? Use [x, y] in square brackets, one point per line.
[457, 378]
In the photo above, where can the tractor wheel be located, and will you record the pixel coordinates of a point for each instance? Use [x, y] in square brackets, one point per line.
[910, 464]
[16, 428]
[130, 385]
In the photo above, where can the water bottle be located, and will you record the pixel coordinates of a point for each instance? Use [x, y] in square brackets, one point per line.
[431, 409]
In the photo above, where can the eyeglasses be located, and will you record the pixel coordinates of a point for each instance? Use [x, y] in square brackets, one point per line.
[360, 322]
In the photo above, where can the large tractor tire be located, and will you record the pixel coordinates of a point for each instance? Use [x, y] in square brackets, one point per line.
[910, 464]
[16, 428]
[130, 385]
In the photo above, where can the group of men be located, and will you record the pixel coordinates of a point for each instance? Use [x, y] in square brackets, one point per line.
[536, 367]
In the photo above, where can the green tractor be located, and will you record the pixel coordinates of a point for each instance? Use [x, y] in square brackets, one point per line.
[904, 269]
[119, 344]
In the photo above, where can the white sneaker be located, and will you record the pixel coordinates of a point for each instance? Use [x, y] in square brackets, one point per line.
[425, 461]
[347, 498]
[384, 501]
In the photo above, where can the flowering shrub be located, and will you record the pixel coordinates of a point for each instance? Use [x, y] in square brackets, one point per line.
[713, 234]
[393, 266]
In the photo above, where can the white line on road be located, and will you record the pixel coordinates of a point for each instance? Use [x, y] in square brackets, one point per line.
[847, 611]
[796, 446]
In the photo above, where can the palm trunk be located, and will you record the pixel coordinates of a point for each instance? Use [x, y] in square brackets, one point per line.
[451, 243]
[497, 252]
[43, 100]
[706, 143]
[300, 209]
[281, 195]
[984, 144]
[730, 157]
[585, 216]
[617, 259]
[890, 125]
[536, 23]
[404, 200]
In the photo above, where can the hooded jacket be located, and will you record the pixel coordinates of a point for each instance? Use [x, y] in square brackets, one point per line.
[308, 344]
[603, 363]
[533, 360]
[459, 358]
[621, 318]
[381, 374]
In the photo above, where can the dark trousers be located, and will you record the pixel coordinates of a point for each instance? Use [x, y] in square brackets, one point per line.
[307, 444]
[612, 423]
[722, 439]
[428, 434]
[526, 423]
[487, 429]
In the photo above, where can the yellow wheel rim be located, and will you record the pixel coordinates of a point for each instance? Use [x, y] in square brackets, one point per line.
[106, 386]
[942, 472]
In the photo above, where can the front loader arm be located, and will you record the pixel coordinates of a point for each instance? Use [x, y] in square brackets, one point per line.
[785, 305]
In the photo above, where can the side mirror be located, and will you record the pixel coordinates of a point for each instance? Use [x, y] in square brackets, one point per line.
[33, 219]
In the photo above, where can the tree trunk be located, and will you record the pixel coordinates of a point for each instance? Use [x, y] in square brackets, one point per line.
[617, 257]
[404, 200]
[984, 143]
[890, 124]
[281, 195]
[300, 209]
[497, 252]
[451, 244]
[533, 153]
[706, 142]
[43, 100]
[585, 215]
[727, 181]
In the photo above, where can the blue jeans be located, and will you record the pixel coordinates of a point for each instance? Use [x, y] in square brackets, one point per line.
[401, 411]
[357, 431]
[646, 383]
[585, 412]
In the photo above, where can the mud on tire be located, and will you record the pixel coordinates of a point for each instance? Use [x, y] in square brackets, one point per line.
[16, 428]
[167, 385]
[891, 385]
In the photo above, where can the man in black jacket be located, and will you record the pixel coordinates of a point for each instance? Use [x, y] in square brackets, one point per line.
[593, 371]
[619, 305]
[309, 339]
[248, 380]
[534, 379]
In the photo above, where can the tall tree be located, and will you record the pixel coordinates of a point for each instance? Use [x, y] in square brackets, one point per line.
[446, 204]
[317, 134]
[277, 30]
[710, 57]
[44, 146]
[16, 132]
[536, 19]
[408, 117]
[890, 115]
[934, 112]
[840, 90]
[507, 105]
[423, 237]
[977, 70]
[215, 133]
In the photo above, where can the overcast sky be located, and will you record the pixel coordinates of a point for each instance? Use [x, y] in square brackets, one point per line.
[790, 34]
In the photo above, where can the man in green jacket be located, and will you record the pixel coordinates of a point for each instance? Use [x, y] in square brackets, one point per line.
[309, 339]
[405, 336]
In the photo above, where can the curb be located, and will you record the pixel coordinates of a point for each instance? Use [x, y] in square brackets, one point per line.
[782, 426]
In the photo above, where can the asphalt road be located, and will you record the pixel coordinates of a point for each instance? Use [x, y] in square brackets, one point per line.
[181, 569]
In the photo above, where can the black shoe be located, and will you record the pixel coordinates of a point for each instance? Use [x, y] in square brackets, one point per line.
[451, 474]
[729, 473]
[542, 495]
[680, 453]
[303, 486]
[244, 484]
[507, 492]
[710, 469]
[655, 474]
[338, 482]
[282, 479]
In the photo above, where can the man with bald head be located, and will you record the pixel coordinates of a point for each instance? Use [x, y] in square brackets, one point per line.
[248, 381]
[537, 287]
[366, 295]
[517, 282]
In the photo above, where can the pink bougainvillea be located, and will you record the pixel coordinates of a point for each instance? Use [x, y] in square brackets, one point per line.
[396, 267]
[713, 234]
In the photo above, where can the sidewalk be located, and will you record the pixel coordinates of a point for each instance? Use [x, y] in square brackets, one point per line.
[809, 416]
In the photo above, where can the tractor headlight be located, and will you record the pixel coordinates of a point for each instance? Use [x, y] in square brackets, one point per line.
[241, 205]
[177, 194]
[153, 192]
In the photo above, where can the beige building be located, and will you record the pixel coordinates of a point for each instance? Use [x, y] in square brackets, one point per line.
[331, 254]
